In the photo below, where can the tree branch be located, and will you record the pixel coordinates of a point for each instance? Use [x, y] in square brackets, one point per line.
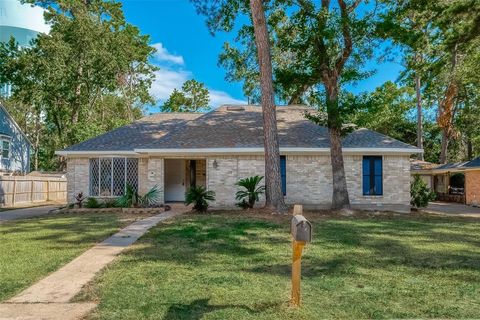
[354, 5]
[347, 37]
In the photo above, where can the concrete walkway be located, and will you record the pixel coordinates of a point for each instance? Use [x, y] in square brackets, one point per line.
[48, 298]
[452, 209]
[26, 212]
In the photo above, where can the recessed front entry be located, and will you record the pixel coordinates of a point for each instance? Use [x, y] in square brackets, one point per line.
[174, 180]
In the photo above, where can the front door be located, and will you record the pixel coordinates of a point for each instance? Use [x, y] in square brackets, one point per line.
[174, 180]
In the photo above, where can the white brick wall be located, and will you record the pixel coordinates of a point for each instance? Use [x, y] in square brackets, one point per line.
[77, 177]
[229, 170]
[309, 179]
[150, 174]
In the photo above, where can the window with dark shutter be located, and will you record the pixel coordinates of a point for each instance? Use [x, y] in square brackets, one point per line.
[372, 176]
[283, 173]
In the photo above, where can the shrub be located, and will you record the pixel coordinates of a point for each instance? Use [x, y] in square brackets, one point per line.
[251, 191]
[243, 204]
[92, 203]
[79, 198]
[110, 203]
[151, 198]
[420, 193]
[131, 198]
[199, 196]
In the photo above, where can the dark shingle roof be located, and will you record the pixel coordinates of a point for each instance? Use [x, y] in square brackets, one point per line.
[364, 138]
[136, 135]
[228, 127]
[451, 166]
[475, 163]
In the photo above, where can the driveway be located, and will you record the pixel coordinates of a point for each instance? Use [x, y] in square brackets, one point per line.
[452, 209]
[26, 212]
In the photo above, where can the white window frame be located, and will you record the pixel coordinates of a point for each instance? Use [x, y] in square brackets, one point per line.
[125, 175]
[5, 139]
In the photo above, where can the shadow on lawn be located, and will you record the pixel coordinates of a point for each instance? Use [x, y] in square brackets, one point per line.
[311, 267]
[61, 230]
[203, 236]
[407, 243]
[198, 308]
[340, 245]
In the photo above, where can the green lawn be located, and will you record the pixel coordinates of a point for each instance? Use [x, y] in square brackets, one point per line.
[229, 266]
[32, 248]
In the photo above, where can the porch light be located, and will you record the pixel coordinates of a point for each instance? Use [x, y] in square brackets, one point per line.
[215, 164]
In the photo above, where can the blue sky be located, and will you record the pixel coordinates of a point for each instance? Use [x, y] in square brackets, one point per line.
[187, 50]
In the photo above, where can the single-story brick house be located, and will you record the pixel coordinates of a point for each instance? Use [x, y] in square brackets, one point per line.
[216, 149]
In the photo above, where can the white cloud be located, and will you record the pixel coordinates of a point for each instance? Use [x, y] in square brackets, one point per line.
[162, 55]
[218, 98]
[172, 76]
[166, 80]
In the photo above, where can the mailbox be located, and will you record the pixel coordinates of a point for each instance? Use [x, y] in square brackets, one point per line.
[301, 229]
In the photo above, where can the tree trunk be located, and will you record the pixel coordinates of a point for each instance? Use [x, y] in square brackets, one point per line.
[444, 147]
[340, 197]
[273, 192]
[37, 139]
[446, 109]
[469, 149]
[419, 116]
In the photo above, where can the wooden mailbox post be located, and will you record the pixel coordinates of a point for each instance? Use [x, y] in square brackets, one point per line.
[301, 230]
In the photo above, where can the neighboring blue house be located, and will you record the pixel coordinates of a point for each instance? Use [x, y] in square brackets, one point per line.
[14, 145]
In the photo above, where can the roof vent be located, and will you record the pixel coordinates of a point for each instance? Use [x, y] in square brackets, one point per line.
[235, 108]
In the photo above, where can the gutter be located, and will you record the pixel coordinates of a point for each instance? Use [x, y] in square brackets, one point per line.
[94, 153]
[243, 151]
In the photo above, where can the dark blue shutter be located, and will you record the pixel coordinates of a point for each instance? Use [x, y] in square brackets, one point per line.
[366, 175]
[378, 188]
[283, 173]
[372, 184]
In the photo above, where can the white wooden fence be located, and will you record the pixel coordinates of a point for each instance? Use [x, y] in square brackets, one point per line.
[24, 190]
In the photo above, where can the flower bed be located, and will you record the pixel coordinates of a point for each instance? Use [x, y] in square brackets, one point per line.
[118, 210]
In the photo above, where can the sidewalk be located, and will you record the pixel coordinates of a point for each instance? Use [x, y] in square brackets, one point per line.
[14, 214]
[49, 298]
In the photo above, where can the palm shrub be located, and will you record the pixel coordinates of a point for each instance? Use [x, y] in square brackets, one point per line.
[420, 193]
[150, 198]
[131, 198]
[250, 193]
[199, 196]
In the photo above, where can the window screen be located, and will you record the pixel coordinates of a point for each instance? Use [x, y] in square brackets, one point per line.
[109, 176]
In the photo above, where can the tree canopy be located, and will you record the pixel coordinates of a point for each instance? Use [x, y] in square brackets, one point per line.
[193, 97]
[90, 74]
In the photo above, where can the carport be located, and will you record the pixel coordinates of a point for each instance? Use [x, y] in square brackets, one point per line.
[454, 182]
